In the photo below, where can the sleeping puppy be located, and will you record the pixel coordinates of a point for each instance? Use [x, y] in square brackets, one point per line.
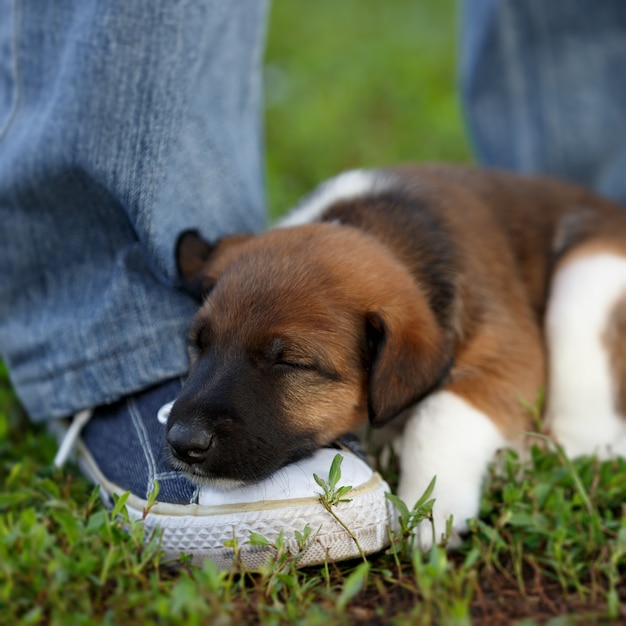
[443, 298]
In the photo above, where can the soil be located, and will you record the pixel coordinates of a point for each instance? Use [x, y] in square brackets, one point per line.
[498, 601]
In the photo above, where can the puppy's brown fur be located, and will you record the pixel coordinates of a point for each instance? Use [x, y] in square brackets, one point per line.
[439, 280]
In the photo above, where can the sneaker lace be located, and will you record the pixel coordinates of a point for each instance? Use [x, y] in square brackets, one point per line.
[71, 435]
[164, 412]
[78, 423]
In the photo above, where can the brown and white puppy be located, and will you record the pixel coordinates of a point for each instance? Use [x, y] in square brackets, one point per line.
[443, 296]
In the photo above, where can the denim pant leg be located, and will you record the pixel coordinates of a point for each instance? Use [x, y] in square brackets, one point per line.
[121, 125]
[544, 87]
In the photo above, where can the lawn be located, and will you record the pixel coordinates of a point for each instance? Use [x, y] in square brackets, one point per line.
[348, 84]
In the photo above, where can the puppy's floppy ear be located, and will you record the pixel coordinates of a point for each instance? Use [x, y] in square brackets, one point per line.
[192, 254]
[200, 263]
[408, 359]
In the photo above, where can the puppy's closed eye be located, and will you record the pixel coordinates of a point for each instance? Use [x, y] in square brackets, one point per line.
[286, 358]
[286, 365]
[280, 354]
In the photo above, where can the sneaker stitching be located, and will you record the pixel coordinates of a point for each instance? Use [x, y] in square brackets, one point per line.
[167, 475]
[145, 443]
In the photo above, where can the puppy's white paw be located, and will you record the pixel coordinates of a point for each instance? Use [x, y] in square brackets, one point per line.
[452, 507]
[448, 438]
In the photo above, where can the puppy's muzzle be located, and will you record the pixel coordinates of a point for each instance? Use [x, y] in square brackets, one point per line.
[188, 443]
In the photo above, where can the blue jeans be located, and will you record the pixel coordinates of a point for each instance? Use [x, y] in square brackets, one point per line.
[121, 125]
[544, 87]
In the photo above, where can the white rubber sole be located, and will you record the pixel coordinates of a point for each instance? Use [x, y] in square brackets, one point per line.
[203, 530]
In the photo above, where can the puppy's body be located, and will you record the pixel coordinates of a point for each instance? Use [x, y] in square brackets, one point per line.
[446, 295]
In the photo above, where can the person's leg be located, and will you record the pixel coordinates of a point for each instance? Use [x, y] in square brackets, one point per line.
[121, 125]
[543, 88]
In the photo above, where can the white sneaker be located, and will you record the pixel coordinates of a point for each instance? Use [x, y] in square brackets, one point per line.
[286, 502]
[122, 455]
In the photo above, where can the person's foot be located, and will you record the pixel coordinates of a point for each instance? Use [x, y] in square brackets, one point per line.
[121, 449]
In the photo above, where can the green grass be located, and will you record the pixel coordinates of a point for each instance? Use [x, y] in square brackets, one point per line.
[349, 84]
[550, 541]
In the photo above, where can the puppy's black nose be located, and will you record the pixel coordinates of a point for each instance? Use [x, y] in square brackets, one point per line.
[189, 444]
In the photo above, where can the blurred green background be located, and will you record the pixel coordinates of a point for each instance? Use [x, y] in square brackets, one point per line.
[358, 83]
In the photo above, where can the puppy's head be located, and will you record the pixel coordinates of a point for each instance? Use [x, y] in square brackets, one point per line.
[304, 334]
